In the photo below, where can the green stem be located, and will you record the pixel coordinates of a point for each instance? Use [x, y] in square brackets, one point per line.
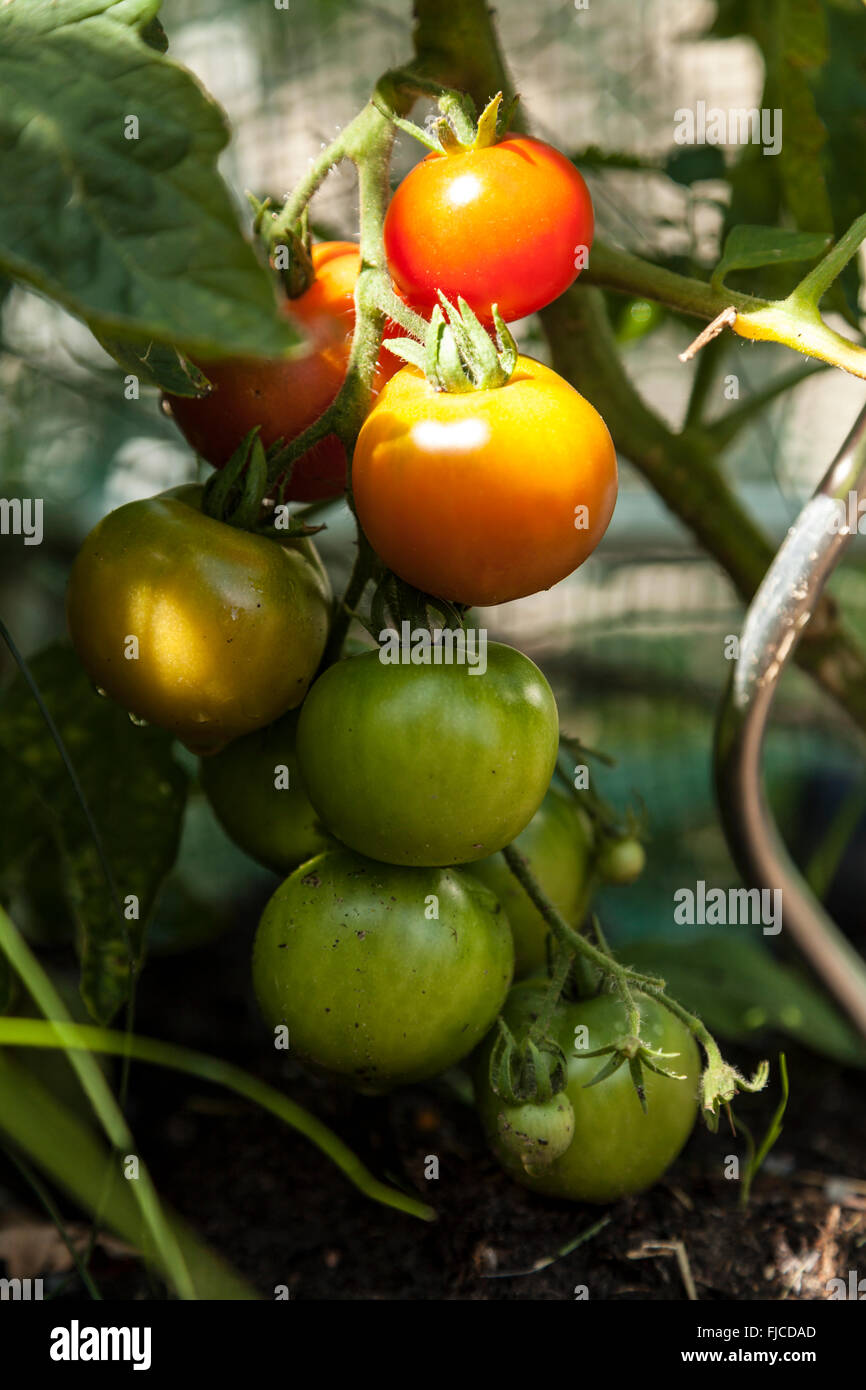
[564, 963]
[362, 572]
[75, 1038]
[810, 290]
[571, 941]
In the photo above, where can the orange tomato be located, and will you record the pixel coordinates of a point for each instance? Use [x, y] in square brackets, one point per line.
[286, 395]
[484, 496]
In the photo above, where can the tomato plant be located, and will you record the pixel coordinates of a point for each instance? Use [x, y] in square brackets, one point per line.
[617, 1149]
[556, 845]
[204, 629]
[257, 793]
[284, 395]
[381, 974]
[484, 496]
[428, 764]
[506, 224]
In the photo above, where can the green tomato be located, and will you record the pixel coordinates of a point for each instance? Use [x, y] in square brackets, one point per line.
[428, 765]
[536, 1134]
[622, 861]
[556, 846]
[616, 1149]
[229, 627]
[257, 794]
[382, 974]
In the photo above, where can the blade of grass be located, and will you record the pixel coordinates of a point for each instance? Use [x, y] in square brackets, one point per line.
[73, 1157]
[101, 1097]
[773, 1131]
[72, 1037]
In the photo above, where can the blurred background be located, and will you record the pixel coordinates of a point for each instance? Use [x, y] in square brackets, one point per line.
[634, 642]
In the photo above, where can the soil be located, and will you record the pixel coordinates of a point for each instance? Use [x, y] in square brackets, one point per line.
[284, 1215]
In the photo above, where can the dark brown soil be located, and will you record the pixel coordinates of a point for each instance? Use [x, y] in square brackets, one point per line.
[284, 1215]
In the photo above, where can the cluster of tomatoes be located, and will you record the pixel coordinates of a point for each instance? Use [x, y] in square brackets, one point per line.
[386, 791]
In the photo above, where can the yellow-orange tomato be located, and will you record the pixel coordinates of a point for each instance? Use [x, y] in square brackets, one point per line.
[283, 396]
[205, 629]
[484, 496]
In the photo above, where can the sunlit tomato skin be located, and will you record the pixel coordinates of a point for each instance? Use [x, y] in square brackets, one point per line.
[556, 845]
[229, 627]
[509, 225]
[616, 1150]
[257, 793]
[428, 765]
[484, 496]
[383, 975]
[286, 395]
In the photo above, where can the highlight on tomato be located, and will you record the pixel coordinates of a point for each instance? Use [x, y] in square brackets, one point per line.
[482, 496]
[285, 395]
[202, 628]
[509, 223]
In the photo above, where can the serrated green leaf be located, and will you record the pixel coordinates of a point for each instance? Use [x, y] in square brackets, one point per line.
[740, 990]
[136, 793]
[747, 248]
[137, 236]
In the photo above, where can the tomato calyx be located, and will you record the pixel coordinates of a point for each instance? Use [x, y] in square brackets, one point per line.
[631, 1051]
[458, 354]
[527, 1070]
[457, 131]
[720, 1083]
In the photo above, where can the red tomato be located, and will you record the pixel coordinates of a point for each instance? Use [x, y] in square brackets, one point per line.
[286, 395]
[506, 225]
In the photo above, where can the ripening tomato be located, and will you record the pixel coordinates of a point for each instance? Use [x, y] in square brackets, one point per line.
[382, 974]
[616, 1149]
[285, 395]
[484, 496]
[510, 224]
[202, 628]
[428, 764]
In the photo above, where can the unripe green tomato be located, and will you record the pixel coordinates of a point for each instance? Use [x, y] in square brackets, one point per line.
[205, 629]
[622, 861]
[257, 793]
[428, 764]
[537, 1134]
[617, 1149]
[556, 846]
[382, 974]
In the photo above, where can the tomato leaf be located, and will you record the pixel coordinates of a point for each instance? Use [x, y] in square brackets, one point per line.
[136, 794]
[119, 212]
[740, 990]
[158, 365]
[747, 248]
